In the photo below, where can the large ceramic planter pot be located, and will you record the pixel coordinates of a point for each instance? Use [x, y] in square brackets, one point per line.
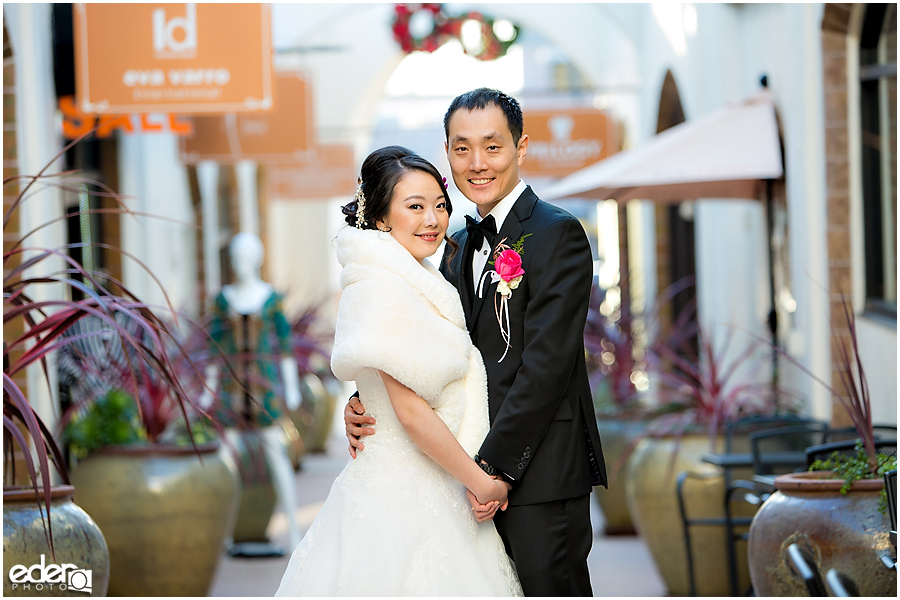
[843, 532]
[165, 512]
[309, 416]
[296, 447]
[258, 496]
[77, 540]
[331, 388]
[652, 501]
[616, 434]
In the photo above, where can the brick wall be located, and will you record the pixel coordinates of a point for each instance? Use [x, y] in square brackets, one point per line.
[835, 24]
[11, 232]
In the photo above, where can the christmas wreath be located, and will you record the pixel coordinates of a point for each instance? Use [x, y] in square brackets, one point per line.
[426, 27]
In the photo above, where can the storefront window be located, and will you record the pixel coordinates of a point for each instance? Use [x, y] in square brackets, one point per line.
[878, 112]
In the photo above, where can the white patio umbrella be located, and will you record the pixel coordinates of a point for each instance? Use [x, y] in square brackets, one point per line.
[732, 153]
[726, 154]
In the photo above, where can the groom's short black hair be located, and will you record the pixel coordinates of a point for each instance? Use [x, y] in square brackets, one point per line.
[481, 99]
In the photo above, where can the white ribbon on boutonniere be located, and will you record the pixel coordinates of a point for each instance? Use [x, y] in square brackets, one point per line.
[507, 274]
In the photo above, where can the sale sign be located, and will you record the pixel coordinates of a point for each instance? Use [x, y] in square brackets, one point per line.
[173, 58]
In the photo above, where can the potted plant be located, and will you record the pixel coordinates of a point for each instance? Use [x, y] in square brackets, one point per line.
[699, 393]
[836, 511]
[616, 367]
[149, 467]
[41, 523]
[318, 386]
[33, 329]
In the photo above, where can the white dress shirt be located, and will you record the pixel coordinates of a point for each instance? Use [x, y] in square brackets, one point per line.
[499, 212]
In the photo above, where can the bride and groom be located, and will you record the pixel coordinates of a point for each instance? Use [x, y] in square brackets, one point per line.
[483, 359]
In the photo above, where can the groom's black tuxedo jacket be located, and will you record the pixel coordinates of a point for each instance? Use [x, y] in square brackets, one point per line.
[543, 430]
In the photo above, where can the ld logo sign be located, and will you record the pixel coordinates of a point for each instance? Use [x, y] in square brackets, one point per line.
[172, 58]
[166, 34]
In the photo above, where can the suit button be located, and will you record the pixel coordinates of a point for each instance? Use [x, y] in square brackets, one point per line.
[527, 454]
[521, 466]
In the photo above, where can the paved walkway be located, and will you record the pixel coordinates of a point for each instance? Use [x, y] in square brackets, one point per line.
[620, 566]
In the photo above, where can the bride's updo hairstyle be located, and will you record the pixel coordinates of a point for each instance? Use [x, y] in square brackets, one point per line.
[380, 173]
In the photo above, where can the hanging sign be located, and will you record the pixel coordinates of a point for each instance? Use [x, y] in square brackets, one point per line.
[172, 58]
[561, 142]
[283, 134]
[331, 173]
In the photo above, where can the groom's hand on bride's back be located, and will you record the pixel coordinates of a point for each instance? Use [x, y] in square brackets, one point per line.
[355, 421]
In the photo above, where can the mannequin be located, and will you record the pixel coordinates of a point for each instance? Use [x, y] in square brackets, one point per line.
[247, 317]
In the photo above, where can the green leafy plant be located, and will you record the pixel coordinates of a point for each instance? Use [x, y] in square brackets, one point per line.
[93, 368]
[852, 468]
[110, 420]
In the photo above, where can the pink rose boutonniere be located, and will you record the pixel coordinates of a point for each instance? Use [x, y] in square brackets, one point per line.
[508, 266]
[507, 274]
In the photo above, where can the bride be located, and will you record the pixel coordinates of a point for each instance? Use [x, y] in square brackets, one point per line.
[397, 521]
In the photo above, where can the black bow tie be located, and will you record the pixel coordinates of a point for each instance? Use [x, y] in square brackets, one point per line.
[485, 229]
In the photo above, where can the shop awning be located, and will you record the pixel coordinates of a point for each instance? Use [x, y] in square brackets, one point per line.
[727, 154]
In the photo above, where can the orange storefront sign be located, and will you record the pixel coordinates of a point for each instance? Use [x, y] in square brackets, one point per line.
[77, 123]
[331, 173]
[175, 58]
[562, 141]
[283, 134]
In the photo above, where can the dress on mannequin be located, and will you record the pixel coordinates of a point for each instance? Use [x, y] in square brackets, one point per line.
[255, 343]
[251, 330]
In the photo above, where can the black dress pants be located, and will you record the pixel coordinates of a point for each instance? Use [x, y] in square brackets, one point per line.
[549, 543]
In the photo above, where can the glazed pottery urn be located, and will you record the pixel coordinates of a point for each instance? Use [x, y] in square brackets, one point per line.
[848, 533]
[165, 511]
[650, 489]
[79, 563]
[616, 434]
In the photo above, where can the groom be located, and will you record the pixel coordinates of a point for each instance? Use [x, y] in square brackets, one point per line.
[543, 439]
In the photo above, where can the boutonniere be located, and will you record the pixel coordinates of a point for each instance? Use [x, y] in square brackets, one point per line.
[507, 274]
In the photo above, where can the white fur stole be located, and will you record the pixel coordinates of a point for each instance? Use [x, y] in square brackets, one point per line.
[402, 317]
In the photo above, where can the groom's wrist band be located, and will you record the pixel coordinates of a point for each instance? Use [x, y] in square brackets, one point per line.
[486, 467]
[490, 470]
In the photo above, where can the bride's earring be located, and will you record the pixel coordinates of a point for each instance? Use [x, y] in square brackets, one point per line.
[383, 228]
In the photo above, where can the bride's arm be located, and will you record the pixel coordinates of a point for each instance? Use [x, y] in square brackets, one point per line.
[433, 437]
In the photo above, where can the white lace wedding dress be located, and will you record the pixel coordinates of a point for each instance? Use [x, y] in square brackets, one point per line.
[395, 523]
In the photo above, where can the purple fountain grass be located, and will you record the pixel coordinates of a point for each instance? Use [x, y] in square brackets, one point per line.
[43, 324]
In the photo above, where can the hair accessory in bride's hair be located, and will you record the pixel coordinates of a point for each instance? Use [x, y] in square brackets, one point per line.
[360, 205]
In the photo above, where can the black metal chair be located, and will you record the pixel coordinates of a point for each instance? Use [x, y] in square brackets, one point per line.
[783, 450]
[882, 432]
[890, 486]
[801, 563]
[773, 451]
[841, 585]
[846, 448]
[735, 456]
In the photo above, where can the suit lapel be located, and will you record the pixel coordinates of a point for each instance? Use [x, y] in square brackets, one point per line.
[509, 233]
[458, 271]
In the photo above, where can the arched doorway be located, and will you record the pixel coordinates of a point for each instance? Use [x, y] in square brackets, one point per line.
[675, 242]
